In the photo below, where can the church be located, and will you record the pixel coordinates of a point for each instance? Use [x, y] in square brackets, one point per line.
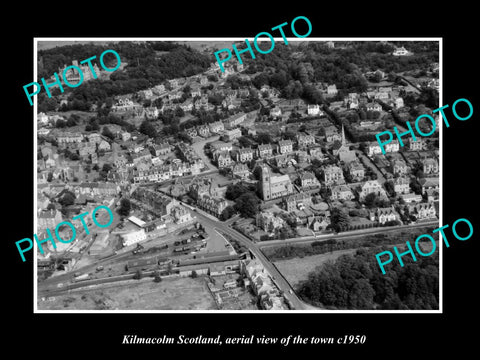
[274, 186]
[343, 152]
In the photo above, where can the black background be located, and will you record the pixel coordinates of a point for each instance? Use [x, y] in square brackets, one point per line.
[387, 334]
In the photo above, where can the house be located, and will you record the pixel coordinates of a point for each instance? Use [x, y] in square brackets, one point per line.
[104, 145]
[181, 215]
[191, 132]
[291, 105]
[48, 219]
[285, 146]
[418, 145]
[268, 222]
[151, 112]
[216, 127]
[232, 134]
[203, 130]
[430, 188]
[307, 179]
[316, 153]
[399, 167]
[342, 192]
[314, 110]
[125, 136]
[43, 131]
[223, 159]
[374, 107]
[371, 187]
[381, 95]
[333, 174]
[241, 171]
[142, 156]
[429, 183]
[430, 166]
[356, 170]
[423, 211]
[235, 120]
[187, 105]
[123, 104]
[173, 83]
[398, 103]
[401, 185]
[158, 89]
[401, 51]
[383, 215]
[212, 205]
[305, 139]
[411, 197]
[332, 134]
[42, 118]
[174, 95]
[318, 223]
[297, 201]
[69, 137]
[161, 149]
[276, 112]
[264, 151]
[244, 154]
[302, 157]
[86, 149]
[374, 147]
[196, 92]
[94, 138]
[332, 90]
[221, 146]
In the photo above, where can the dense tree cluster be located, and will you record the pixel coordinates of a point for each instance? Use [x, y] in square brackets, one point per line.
[246, 200]
[147, 66]
[356, 282]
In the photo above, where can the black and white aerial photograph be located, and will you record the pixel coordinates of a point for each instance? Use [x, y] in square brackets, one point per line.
[187, 182]
[220, 179]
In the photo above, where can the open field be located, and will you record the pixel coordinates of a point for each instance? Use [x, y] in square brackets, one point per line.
[169, 294]
[296, 270]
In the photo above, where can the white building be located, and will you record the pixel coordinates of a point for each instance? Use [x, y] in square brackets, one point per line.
[134, 237]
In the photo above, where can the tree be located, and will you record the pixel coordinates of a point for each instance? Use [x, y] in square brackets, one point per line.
[390, 188]
[234, 191]
[194, 274]
[156, 277]
[125, 207]
[138, 275]
[247, 204]
[67, 199]
[148, 129]
[339, 219]
[227, 213]
[107, 133]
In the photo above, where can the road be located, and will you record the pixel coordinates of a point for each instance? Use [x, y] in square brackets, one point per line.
[281, 282]
[198, 148]
[368, 162]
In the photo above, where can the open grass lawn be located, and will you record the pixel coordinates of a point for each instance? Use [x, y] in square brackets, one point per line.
[169, 294]
[297, 269]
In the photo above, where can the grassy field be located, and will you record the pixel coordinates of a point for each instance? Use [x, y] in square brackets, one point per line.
[296, 270]
[170, 294]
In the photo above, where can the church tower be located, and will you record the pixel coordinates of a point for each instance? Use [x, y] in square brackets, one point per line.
[265, 182]
[344, 140]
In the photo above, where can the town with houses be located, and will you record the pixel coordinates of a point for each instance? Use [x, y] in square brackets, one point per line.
[193, 210]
